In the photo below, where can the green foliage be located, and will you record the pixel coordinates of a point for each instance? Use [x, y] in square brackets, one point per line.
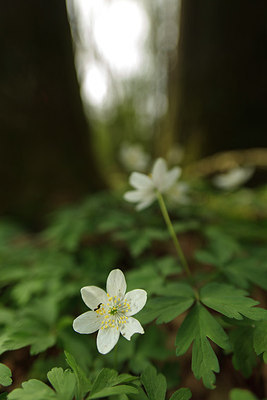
[166, 308]
[241, 394]
[231, 302]
[5, 375]
[155, 386]
[260, 339]
[41, 275]
[108, 383]
[181, 394]
[83, 384]
[221, 249]
[63, 382]
[198, 326]
[32, 327]
[244, 357]
[33, 390]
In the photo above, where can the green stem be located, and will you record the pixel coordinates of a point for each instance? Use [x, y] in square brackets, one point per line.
[173, 234]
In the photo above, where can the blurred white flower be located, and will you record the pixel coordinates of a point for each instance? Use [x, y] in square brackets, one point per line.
[133, 157]
[234, 178]
[146, 186]
[111, 312]
[178, 194]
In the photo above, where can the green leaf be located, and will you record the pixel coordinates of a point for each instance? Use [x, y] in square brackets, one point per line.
[32, 327]
[221, 248]
[33, 390]
[106, 381]
[139, 243]
[249, 268]
[153, 339]
[124, 378]
[114, 390]
[241, 394]
[83, 383]
[5, 375]
[177, 290]
[63, 383]
[244, 357]
[260, 339]
[139, 396]
[154, 384]
[231, 301]
[181, 394]
[197, 327]
[166, 308]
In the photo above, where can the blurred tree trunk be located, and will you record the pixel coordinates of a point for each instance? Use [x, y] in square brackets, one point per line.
[45, 156]
[218, 88]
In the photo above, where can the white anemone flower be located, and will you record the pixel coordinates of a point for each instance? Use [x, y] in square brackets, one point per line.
[234, 178]
[179, 194]
[147, 186]
[111, 313]
[133, 157]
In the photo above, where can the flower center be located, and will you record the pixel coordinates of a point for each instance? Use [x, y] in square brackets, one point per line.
[113, 312]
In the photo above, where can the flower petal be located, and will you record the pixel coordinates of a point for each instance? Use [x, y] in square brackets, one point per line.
[133, 196]
[93, 296]
[140, 181]
[146, 202]
[170, 178]
[116, 284]
[107, 339]
[130, 327]
[136, 299]
[158, 172]
[87, 322]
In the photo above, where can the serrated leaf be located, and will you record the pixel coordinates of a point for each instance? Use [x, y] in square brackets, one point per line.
[114, 390]
[260, 339]
[5, 375]
[206, 257]
[154, 384]
[244, 357]
[104, 379]
[221, 248]
[177, 289]
[241, 394]
[32, 327]
[33, 390]
[139, 396]
[63, 382]
[231, 301]
[166, 308]
[105, 384]
[248, 269]
[181, 394]
[197, 327]
[27, 333]
[124, 378]
[83, 383]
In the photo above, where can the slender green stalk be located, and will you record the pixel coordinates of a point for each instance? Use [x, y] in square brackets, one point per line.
[173, 234]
